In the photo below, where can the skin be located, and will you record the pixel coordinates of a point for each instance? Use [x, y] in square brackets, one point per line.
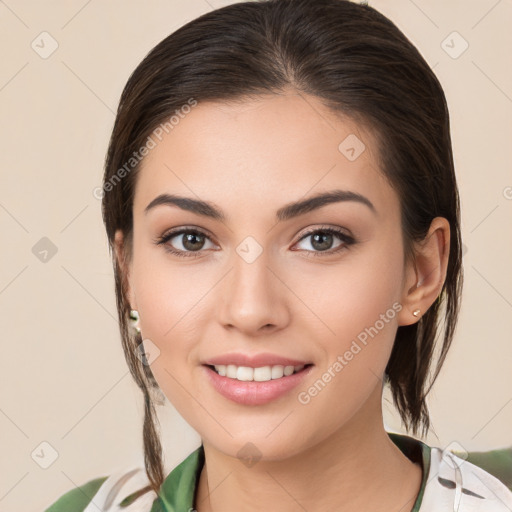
[250, 159]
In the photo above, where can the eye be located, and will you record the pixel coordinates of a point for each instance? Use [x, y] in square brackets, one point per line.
[322, 241]
[188, 241]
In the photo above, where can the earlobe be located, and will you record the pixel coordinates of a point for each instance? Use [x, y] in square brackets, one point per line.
[425, 275]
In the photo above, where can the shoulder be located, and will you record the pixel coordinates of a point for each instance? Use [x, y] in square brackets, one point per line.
[457, 484]
[77, 499]
[497, 462]
[105, 494]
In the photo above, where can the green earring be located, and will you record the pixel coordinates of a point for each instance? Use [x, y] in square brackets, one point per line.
[135, 319]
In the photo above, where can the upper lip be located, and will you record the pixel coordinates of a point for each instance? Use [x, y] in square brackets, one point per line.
[254, 360]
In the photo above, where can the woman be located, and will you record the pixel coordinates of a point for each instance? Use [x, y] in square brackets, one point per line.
[283, 213]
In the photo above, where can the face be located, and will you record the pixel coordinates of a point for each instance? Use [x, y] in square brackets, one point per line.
[261, 286]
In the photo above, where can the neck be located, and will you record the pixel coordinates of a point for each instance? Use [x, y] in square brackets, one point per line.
[357, 468]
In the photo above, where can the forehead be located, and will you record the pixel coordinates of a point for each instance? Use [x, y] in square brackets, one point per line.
[268, 150]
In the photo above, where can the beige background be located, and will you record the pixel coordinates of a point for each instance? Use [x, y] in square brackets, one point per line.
[63, 375]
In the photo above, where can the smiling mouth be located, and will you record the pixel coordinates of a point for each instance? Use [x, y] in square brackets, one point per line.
[260, 374]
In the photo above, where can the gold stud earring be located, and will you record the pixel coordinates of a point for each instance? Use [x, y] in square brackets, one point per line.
[416, 312]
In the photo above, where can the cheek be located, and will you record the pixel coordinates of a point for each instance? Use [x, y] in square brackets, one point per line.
[358, 304]
[355, 356]
[363, 290]
[172, 299]
[170, 309]
[168, 293]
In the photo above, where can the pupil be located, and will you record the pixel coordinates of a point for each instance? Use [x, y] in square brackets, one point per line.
[324, 245]
[189, 241]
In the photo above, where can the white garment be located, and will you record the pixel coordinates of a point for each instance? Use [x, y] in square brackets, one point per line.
[456, 485]
[117, 487]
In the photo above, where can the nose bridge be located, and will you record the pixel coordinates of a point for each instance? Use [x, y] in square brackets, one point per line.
[251, 296]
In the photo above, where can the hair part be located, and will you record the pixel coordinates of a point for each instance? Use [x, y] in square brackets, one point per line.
[360, 65]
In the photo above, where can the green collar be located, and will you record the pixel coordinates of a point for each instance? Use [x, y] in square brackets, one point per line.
[417, 452]
[178, 490]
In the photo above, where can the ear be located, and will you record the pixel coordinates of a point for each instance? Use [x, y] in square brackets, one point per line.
[425, 275]
[123, 261]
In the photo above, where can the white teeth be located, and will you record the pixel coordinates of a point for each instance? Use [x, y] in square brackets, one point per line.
[288, 370]
[261, 374]
[244, 373]
[277, 372]
[231, 371]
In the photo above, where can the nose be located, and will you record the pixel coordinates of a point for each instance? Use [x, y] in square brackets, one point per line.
[254, 299]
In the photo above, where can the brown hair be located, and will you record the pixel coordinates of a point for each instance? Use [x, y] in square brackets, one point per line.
[358, 63]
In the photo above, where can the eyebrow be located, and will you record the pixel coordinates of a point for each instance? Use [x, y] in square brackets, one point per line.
[287, 212]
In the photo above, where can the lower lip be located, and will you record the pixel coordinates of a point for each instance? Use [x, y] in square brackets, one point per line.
[255, 393]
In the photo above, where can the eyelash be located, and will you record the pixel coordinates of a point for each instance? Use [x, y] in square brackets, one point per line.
[346, 239]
